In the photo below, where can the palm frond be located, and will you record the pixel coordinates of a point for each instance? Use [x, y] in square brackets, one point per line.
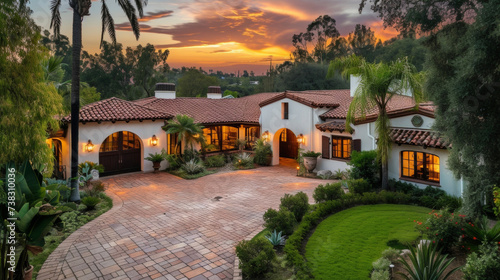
[129, 10]
[140, 4]
[107, 24]
[55, 22]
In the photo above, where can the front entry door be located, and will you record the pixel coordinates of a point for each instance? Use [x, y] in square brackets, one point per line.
[288, 144]
[120, 153]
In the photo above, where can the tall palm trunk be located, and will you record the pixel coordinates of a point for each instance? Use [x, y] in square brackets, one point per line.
[75, 102]
[382, 126]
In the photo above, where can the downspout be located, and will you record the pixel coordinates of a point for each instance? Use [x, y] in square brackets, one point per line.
[371, 136]
[312, 129]
[461, 186]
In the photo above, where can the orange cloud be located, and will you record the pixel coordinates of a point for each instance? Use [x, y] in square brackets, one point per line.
[155, 15]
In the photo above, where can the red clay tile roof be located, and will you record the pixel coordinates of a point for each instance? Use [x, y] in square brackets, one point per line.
[426, 138]
[312, 98]
[115, 109]
[208, 111]
[332, 126]
[399, 104]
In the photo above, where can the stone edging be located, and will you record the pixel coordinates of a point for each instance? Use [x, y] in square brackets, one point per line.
[55, 261]
[237, 275]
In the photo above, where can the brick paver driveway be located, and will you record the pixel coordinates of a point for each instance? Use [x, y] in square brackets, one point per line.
[164, 227]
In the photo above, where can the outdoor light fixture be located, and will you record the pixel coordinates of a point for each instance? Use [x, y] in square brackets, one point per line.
[89, 147]
[196, 135]
[298, 168]
[154, 140]
[300, 139]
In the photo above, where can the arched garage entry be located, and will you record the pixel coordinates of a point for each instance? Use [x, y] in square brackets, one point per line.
[287, 143]
[121, 153]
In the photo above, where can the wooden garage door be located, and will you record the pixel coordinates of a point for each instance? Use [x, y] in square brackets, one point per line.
[120, 153]
[288, 144]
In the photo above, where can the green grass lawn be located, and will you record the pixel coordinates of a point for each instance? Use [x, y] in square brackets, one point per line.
[345, 244]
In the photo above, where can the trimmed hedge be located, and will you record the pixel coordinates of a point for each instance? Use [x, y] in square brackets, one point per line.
[312, 219]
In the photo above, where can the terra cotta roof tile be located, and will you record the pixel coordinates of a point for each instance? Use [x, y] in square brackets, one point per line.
[417, 137]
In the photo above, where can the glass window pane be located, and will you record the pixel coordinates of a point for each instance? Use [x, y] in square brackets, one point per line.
[229, 137]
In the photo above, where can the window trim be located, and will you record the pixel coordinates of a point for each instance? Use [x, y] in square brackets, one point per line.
[425, 163]
[342, 138]
[219, 137]
[284, 110]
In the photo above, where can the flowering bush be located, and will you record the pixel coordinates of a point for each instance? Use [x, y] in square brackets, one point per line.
[443, 227]
[496, 200]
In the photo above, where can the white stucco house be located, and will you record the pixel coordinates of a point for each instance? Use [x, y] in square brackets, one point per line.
[122, 133]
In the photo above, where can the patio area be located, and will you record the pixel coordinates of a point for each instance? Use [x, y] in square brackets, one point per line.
[164, 227]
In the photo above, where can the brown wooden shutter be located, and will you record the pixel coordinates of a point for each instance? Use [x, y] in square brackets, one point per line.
[325, 149]
[356, 145]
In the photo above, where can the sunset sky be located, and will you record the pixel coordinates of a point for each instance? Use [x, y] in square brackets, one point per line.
[217, 34]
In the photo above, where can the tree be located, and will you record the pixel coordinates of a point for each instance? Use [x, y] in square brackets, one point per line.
[80, 10]
[378, 84]
[320, 33]
[309, 76]
[396, 48]
[194, 83]
[189, 132]
[362, 41]
[464, 84]
[28, 103]
[425, 16]
[148, 67]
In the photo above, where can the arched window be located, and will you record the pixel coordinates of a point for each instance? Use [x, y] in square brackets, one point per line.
[419, 165]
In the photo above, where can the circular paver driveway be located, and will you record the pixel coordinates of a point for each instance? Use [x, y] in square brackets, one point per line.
[164, 227]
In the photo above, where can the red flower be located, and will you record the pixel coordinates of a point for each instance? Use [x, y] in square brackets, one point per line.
[427, 227]
[433, 241]
[474, 238]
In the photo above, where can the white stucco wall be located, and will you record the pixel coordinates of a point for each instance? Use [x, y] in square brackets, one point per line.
[405, 122]
[331, 164]
[97, 133]
[300, 121]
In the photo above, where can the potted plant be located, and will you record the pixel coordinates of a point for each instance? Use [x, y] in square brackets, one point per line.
[263, 152]
[310, 160]
[156, 159]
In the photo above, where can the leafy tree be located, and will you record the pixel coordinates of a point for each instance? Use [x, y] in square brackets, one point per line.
[194, 83]
[189, 132]
[59, 46]
[362, 41]
[149, 65]
[410, 15]
[378, 84]
[309, 76]
[234, 94]
[319, 34]
[464, 84]
[398, 48]
[80, 10]
[28, 103]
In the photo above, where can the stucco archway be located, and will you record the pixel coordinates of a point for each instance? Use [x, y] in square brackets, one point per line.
[284, 145]
[121, 152]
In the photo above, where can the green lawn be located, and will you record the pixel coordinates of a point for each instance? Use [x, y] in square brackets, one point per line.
[345, 244]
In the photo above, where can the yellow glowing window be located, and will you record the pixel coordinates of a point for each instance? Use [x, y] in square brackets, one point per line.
[420, 166]
[341, 147]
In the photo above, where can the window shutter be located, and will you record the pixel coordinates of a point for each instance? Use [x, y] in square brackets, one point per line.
[356, 145]
[325, 149]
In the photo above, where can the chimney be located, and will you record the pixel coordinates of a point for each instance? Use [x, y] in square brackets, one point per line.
[214, 92]
[165, 90]
[354, 83]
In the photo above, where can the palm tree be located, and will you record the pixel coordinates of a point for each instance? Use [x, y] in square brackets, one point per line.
[80, 9]
[189, 132]
[379, 83]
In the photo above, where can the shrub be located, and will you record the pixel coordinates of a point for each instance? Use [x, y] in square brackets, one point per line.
[391, 254]
[298, 204]
[282, 220]
[243, 161]
[485, 265]
[174, 161]
[496, 200]
[443, 227]
[191, 154]
[427, 263]
[96, 188]
[156, 157]
[328, 192]
[91, 165]
[380, 275]
[90, 202]
[262, 152]
[365, 166]
[359, 186]
[381, 264]
[448, 201]
[193, 167]
[431, 197]
[256, 257]
[480, 232]
[342, 174]
[215, 161]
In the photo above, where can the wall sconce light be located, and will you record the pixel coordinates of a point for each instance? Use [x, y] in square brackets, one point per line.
[89, 147]
[154, 140]
[265, 135]
[196, 136]
[300, 139]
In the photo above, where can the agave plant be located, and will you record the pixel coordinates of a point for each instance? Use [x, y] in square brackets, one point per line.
[193, 167]
[427, 263]
[481, 232]
[276, 238]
